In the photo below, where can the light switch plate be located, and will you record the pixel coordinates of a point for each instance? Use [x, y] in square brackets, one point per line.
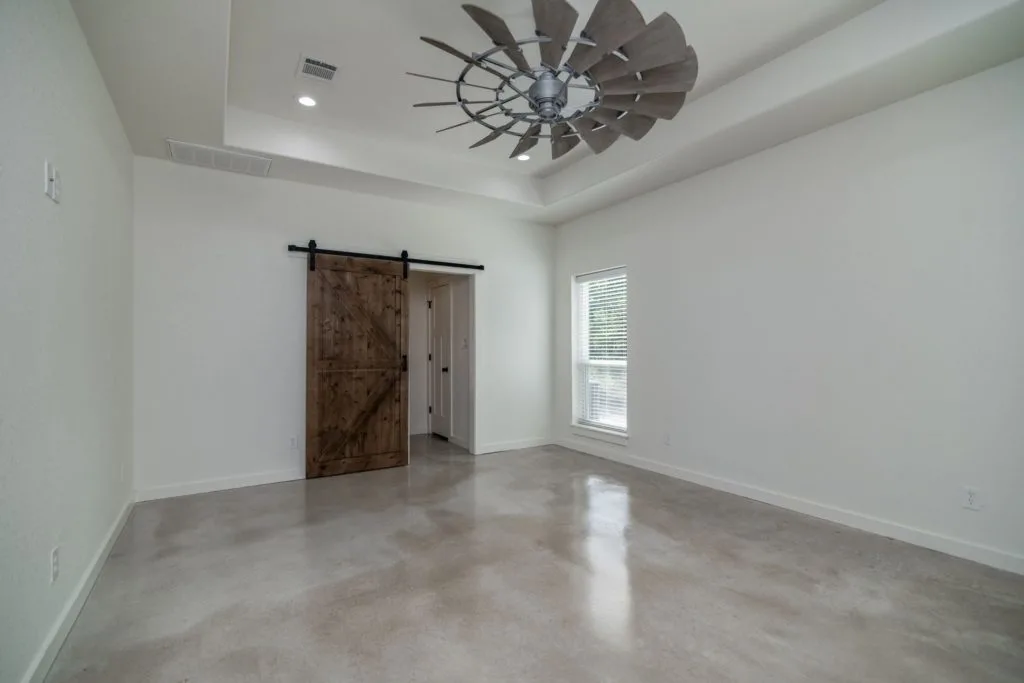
[52, 181]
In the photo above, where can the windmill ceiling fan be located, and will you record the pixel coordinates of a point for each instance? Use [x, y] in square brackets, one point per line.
[622, 76]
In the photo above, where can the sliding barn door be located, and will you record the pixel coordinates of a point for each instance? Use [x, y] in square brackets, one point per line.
[356, 380]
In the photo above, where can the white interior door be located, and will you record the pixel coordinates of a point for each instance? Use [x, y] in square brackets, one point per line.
[441, 361]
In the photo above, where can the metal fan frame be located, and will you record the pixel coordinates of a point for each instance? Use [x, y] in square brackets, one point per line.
[528, 117]
[637, 71]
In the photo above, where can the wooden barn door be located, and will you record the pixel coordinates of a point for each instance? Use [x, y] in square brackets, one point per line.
[356, 379]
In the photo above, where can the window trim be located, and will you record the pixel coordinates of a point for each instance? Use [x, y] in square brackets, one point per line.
[586, 429]
[600, 434]
[602, 274]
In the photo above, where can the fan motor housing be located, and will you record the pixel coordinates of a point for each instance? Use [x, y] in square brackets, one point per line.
[547, 95]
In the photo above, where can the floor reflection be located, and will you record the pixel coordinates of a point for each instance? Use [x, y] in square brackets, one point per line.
[609, 597]
[532, 566]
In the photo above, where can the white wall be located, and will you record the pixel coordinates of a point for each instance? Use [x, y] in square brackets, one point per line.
[220, 318]
[419, 343]
[836, 325]
[65, 328]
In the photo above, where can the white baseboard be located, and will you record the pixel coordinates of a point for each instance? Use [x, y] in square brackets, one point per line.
[499, 446]
[41, 663]
[218, 484]
[993, 557]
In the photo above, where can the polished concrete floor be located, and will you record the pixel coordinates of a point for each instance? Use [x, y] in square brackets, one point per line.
[536, 565]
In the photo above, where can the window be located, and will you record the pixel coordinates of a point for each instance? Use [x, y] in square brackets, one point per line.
[601, 350]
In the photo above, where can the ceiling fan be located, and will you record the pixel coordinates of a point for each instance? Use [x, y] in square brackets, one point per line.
[621, 77]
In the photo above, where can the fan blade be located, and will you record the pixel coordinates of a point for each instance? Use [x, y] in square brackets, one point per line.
[555, 19]
[671, 78]
[449, 49]
[498, 31]
[527, 142]
[449, 104]
[597, 140]
[661, 43]
[472, 120]
[604, 115]
[661, 106]
[609, 64]
[561, 141]
[613, 23]
[448, 80]
[633, 126]
[493, 135]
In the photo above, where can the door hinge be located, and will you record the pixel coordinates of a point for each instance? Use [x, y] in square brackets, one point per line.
[430, 304]
[430, 410]
[405, 363]
[430, 356]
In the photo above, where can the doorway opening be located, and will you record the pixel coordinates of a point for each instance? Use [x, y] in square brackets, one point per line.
[441, 356]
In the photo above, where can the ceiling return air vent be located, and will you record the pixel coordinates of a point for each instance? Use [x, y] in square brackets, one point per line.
[220, 159]
[316, 69]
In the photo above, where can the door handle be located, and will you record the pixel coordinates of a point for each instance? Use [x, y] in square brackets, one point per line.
[444, 369]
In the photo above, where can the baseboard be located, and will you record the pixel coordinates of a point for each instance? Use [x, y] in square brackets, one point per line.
[218, 484]
[41, 663]
[992, 557]
[499, 446]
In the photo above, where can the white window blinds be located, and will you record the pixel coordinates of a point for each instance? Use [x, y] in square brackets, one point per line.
[601, 350]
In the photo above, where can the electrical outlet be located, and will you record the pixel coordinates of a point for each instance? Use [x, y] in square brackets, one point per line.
[295, 443]
[54, 564]
[972, 499]
[668, 439]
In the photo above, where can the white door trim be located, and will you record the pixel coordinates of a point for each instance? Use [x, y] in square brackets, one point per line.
[440, 376]
[474, 278]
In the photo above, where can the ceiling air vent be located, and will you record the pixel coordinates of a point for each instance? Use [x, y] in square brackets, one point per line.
[220, 159]
[316, 70]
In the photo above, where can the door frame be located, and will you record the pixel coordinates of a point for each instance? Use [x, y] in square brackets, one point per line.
[433, 359]
[471, 444]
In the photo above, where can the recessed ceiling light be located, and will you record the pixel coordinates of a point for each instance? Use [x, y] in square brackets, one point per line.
[523, 157]
[307, 101]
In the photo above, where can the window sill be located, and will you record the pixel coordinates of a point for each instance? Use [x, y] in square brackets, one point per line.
[606, 435]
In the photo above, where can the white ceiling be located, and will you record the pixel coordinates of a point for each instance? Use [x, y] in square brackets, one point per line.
[220, 73]
[375, 43]
[165, 65]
